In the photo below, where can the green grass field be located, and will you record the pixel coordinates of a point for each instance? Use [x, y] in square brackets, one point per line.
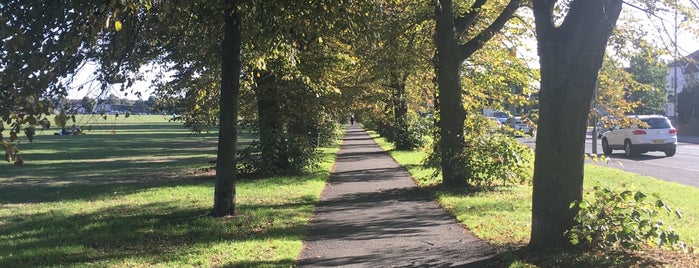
[503, 216]
[136, 192]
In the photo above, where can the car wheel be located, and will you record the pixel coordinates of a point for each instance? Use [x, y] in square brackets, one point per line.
[670, 152]
[628, 149]
[605, 147]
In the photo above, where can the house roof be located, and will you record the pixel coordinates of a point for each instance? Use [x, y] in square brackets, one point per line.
[691, 58]
[690, 63]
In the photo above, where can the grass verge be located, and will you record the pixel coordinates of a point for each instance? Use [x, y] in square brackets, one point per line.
[503, 216]
[137, 193]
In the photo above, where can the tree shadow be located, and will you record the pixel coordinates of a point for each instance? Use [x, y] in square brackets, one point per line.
[637, 158]
[157, 232]
[511, 253]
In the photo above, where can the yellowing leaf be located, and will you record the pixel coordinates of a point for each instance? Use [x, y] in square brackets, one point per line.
[117, 26]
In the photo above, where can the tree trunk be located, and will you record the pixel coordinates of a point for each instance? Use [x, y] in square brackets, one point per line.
[400, 112]
[271, 127]
[570, 57]
[224, 192]
[451, 110]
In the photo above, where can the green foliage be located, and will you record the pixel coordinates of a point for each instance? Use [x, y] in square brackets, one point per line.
[410, 136]
[288, 138]
[19, 124]
[61, 120]
[615, 220]
[11, 150]
[490, 158]
[498, 159]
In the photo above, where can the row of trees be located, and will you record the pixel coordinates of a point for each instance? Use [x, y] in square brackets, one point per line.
[292, 70]
[91, 105]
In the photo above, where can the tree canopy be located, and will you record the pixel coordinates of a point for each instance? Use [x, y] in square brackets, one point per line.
[291, 70]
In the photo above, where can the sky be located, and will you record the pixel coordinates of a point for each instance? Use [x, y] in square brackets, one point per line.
[85, 78]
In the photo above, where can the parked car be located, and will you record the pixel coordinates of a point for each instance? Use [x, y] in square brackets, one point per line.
[601, 129]
[520, 125]
[494, 121]
[648, 133]
[494, 124]
[502, 117]
[603, 125]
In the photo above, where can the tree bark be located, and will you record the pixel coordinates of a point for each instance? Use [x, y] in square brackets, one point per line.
[272, 129]
[400, 113]
[450, 54]
[451, 109]
[570, 57]
[224, 192]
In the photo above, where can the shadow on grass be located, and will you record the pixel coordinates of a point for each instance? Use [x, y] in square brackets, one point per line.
[157, 232]
[64, 168]
[279, 263]
[40, 192]
[519, 254]
[66, 206]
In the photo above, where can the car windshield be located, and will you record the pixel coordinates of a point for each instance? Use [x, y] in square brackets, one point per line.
[501, 115]
[657, 123]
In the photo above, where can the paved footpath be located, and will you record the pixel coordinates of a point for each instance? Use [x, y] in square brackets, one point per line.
[371, 214]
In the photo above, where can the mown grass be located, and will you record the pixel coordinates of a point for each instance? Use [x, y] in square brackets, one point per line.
[503, 216]
[137, 193]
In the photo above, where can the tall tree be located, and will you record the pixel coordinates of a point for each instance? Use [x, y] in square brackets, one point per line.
[570, 55]
[650, 72]
[457, 36]
[397, 50]
[224, 192]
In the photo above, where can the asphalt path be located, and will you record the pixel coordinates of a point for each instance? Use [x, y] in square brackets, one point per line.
[371, 214]
[681, 168]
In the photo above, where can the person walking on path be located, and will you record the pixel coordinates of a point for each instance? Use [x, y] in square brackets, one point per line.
[352, 120]
[371, 214]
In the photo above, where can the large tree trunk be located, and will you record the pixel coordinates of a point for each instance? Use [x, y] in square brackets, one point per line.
[224, 192]
[570, 57]
[451, 109]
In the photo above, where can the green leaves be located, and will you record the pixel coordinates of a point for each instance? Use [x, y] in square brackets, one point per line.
[30, 131]
[490, 158]
[614, 220]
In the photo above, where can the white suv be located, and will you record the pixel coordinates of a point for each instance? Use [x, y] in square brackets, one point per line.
[635, 140]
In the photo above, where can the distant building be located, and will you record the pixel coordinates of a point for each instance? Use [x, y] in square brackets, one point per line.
[687, 70]
[684, 71]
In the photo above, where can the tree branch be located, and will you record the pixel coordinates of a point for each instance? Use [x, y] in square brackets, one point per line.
[543, 16]
[463, 22]
[470, 47]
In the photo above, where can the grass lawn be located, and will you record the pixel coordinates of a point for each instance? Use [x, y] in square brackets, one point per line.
[503, 216]
[135, 192]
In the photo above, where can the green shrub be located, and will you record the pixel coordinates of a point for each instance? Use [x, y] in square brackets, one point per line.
[498, 158]
[490, 158]
[621, 220]
[417, 127]
[283, 153]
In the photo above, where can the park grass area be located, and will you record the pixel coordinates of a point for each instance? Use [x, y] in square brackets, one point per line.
[503, 216]
[136, 192]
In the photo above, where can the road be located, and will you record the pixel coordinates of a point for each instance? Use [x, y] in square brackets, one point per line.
[681, 168]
